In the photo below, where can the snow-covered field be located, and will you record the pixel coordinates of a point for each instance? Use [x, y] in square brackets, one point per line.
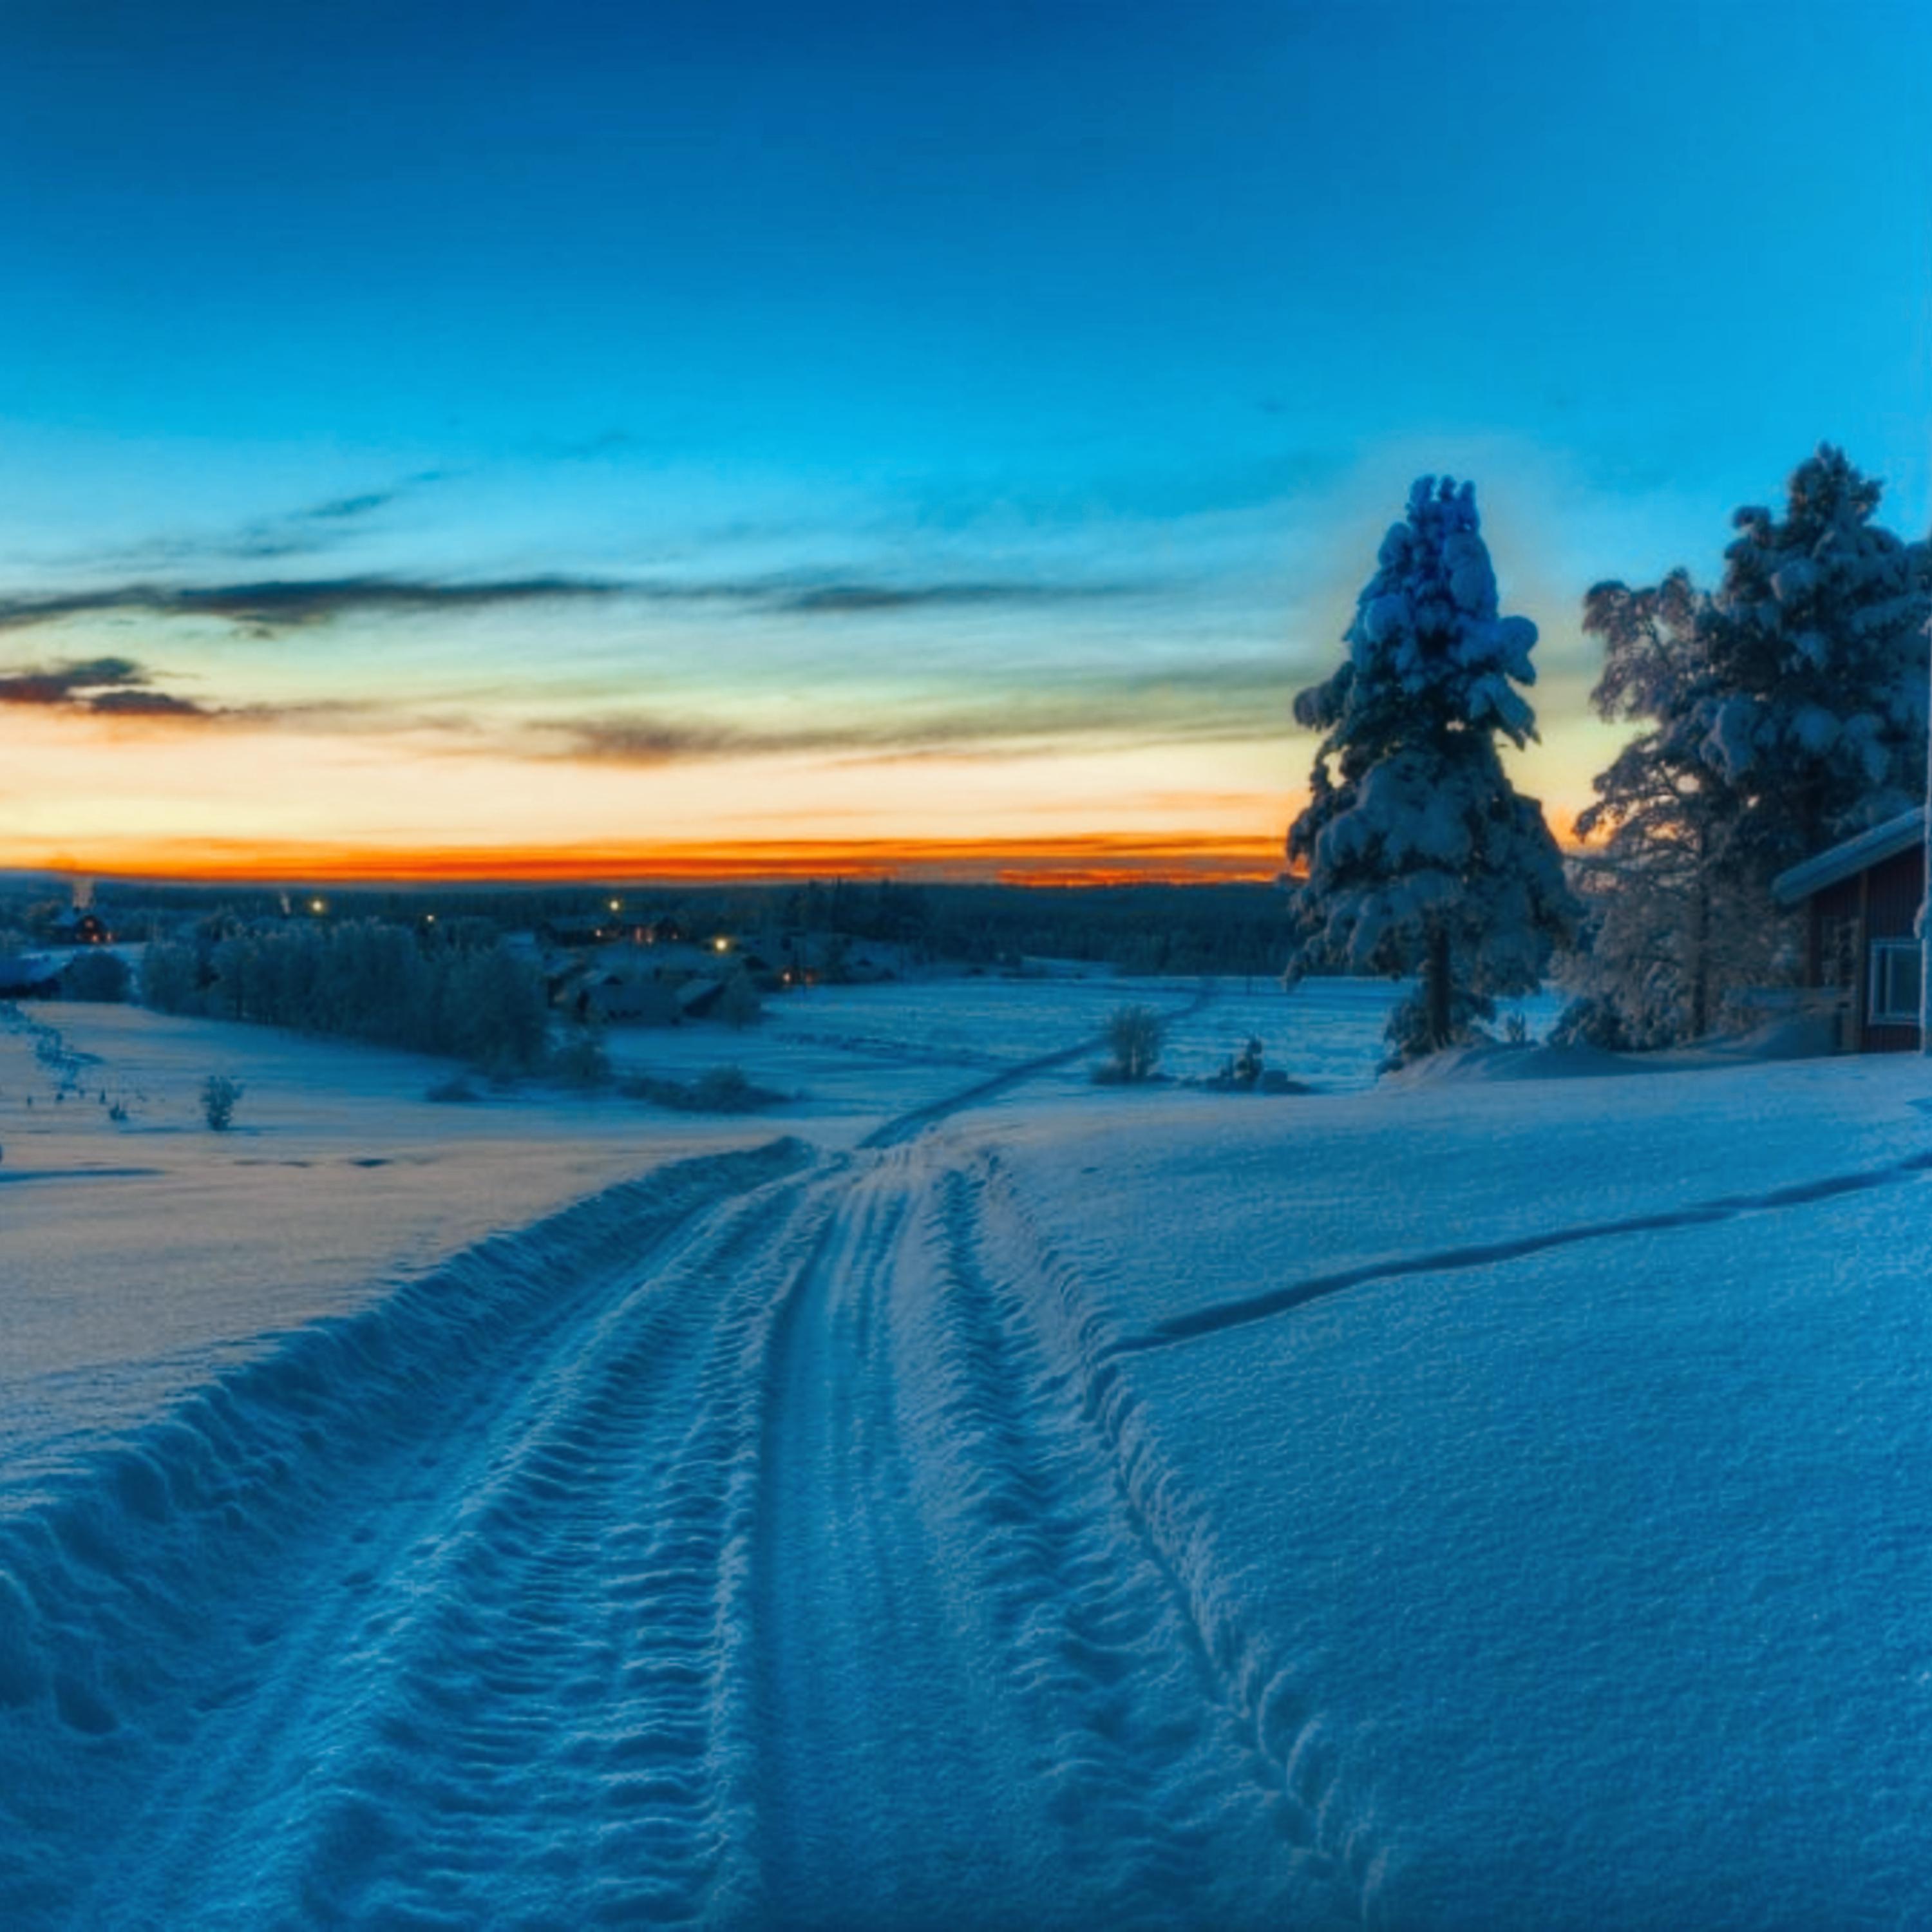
[1453, 1504]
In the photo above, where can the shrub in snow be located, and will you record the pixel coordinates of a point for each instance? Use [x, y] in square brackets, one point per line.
[100, 977]
[1419, 855]
[1133, 1036]
[724, 1089]
[1785, 712]
[718, 1090]
[218, 1096]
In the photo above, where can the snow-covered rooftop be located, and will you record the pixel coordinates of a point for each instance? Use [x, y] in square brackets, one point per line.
[1842, 861]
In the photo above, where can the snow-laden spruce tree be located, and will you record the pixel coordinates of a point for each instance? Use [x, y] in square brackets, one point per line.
[1785, 712]
[1815, 712]
[1421, 856]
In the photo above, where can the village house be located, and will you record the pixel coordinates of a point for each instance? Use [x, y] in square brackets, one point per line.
[81, 927]
[1861, 900]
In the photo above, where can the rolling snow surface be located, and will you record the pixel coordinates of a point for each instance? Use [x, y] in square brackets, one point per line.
[1472, 1503]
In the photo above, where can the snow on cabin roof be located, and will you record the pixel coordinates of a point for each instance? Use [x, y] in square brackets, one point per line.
[1844, 861]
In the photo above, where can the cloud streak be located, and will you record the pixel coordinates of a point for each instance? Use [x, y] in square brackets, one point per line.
[861, 599]
[284, 604]
[1229, 702]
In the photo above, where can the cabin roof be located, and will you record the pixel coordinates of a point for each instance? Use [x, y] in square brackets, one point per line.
[1850, 857]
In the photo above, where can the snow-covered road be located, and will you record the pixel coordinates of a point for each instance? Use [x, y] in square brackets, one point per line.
[753, 1548]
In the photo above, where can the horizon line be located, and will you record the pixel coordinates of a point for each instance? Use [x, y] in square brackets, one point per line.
[1101, 860]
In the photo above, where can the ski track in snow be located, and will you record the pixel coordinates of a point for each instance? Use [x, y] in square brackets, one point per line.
[1197, 1322]
[769, 1541]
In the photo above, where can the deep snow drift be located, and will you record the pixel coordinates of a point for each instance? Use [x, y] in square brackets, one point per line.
[1495, 1503]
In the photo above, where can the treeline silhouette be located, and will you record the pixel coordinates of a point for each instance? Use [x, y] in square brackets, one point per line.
[461, 995]
[1231, 928]
[1141, 928]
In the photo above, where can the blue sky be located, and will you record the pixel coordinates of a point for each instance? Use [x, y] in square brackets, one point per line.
[958, 423]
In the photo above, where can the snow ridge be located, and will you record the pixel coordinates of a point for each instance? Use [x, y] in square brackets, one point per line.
[1293, 1750]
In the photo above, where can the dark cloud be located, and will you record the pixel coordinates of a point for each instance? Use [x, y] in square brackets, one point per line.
[632, 739]
[340, 509]
[282, 604]
[148, 704]
[859, 599]
[287, 604]
[114, 687]
[345, 509]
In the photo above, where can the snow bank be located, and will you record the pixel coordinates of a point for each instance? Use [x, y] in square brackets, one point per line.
[1569, 1541]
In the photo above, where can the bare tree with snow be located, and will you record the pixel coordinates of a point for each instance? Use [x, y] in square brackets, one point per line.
[1669, 924]
[1421, 856]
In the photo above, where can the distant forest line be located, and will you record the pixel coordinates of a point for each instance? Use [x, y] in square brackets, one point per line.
[1145, 928]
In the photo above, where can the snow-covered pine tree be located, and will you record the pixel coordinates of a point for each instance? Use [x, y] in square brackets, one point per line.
[1785, 711]
[1421, 856]
[1815, 715]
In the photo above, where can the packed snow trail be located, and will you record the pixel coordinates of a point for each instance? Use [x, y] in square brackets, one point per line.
[744, 1547]
[1036, 1735]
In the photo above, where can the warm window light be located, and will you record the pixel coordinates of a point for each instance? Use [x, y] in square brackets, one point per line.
[616, 905]
[318, 905]
[720, 945]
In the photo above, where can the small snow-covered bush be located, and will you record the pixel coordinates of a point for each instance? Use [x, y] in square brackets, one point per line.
[1592, 1021]
[718, 1090]
[218, 1096]
[1133, 1036]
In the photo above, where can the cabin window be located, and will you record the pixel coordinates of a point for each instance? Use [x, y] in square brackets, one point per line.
[1894, 983]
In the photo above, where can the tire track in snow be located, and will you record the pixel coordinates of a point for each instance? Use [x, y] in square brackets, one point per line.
[548, 1703]
[1294, 1748]
[1123, 1714]
[1034, 1737]
[756, 1546]
[208, 1649]
[1197, 1322]
[881, 1804]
